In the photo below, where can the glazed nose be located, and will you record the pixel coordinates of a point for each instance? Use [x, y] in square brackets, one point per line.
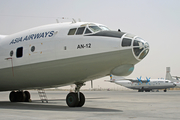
[140, 48]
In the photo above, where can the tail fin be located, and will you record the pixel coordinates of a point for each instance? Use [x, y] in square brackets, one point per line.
[168, 75]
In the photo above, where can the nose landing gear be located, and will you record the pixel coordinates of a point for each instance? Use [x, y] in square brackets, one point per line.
[76, 99]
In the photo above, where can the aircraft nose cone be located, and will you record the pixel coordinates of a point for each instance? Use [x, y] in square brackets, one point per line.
[140, 48]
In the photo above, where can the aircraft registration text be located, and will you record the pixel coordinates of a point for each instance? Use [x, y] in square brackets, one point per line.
[81, 46]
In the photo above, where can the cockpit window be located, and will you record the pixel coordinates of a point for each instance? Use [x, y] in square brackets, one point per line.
[126, 42]
[144, 53]
[95, 28]
[87, 28]
[80, 31]
[72, 31]
[140, 48]
[137, 51]
[138, 43]
[104, 28]
[87, 31]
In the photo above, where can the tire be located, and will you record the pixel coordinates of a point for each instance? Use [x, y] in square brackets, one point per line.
[165, 90]
[20, 96]
[82, 100]
[140, 90]
[27, 96]
[12, 96]
[72, 99]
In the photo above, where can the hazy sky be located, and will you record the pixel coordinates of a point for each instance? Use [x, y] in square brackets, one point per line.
[156, 21]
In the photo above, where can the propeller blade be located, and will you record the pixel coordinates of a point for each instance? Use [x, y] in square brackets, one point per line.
[148, 80]
[139, 80]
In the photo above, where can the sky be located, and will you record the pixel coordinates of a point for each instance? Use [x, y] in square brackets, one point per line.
[156, 21]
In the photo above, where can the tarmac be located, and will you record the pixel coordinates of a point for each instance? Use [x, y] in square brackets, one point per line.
[100, 105]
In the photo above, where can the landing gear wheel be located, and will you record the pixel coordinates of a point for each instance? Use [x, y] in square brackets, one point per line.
[165, 90]
[140, 90]
[72, 99]
[82, 100]
[28, 96]
[76, 99]
[12, 96]
[20, 96]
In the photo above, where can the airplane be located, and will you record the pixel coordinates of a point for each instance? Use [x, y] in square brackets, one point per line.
[66, 53]
[147, 84]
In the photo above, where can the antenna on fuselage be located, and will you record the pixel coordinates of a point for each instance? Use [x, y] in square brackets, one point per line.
[74, 21]
[57, 20]
[79, 20]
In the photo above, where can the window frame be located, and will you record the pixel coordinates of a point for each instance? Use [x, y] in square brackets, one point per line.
[74, 31]
[80, 31]
[125, 43]
[89, 30]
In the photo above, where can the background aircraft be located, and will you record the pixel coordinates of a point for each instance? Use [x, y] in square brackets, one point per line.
[63, 54]
[147, 84]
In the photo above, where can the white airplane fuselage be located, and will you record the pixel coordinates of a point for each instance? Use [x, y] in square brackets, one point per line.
[153, 84]
[47, 56]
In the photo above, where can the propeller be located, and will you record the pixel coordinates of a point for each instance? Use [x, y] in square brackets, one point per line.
[148, 80]
[139, 80]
